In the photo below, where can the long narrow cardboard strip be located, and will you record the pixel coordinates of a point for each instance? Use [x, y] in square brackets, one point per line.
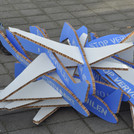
[19, 104]
[50, 103]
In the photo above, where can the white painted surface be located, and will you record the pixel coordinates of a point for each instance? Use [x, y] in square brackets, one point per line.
[110, 63]
[17, 104]
[83, 39]
[96, 54]
[3, 104]
[128, 54]
[70, 51]
[40, 65]
[36, 90]
[50, 103]
[42, 113]
[127, 75]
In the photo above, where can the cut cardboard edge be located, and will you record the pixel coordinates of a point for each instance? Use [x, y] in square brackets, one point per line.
[75, 58]
[43, 113]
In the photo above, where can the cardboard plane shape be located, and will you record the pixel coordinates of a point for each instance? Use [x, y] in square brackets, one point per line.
[44, 43]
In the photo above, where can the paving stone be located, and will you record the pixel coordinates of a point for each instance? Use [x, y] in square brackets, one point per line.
[90, 1]
[22, 27]
[5, 80]
[92, 19]
[127, 30]
[125, 8]
[18, 1]
[73, 22]
[48, 25]
[2, 2]
[61, 16]
[34, 130]
[6, 8]
[100, 26]
[9, 66]
[2, 128]
[14, 21]
[113, 17]
[62, 115]
[18, 121]
[2, 69]
[47, 4]
[100, 126]
[103, 11]
[29, 12]
[5, 58]
[57, 9]
[126, 116]
[85, 13]
[54, 32]
[97, 5]
[107, 32]
[123, 131]
[9, 14]
[38, 18]
[67, 2]
[119, 24]
[24, 6]
[72, 8]
[117, 3]
[71, 127]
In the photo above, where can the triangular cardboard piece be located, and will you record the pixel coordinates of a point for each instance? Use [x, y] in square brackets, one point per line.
[109, 63]
[62, 49]
[37, 68]
[49, 103]
[127, 75]
[43, 113]
[99, 53]
[114, 100]
[38, 90]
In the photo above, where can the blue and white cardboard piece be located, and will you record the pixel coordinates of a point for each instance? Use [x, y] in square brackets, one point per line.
[88, 95]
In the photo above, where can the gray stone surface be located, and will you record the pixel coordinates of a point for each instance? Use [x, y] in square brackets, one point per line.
[100, 126]
[101, 16]
[75, 127]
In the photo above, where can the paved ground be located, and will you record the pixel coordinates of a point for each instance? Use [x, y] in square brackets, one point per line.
[101, 16]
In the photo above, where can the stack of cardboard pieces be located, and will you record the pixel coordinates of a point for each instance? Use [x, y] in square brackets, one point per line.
[91, 76]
